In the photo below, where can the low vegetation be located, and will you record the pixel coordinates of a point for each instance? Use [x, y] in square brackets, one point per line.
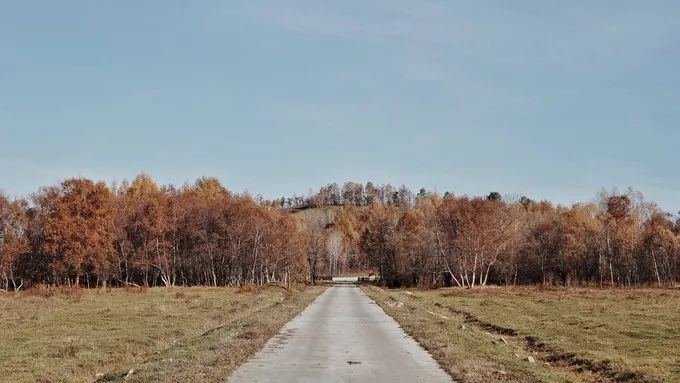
[196, 333]
[544, 335]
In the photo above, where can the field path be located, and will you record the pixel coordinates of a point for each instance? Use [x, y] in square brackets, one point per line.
[343, 336]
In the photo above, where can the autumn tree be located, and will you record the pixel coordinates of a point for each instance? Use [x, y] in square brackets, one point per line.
[378, 242]
[509, 264]
[148, 230]
[346, 225]
[544, 241]
[13, 239]
[580, 250]
[621, 231]
[79, 230]
[416, 249]
[353, 193]
[287, 250]
[483, 235]
[660, 245]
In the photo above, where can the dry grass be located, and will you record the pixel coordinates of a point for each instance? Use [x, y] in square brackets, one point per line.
[486, 335]
[73, 335]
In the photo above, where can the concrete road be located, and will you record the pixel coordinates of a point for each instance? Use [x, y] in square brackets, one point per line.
[343, 336]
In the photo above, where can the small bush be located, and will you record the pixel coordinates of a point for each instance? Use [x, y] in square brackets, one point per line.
[249, 288]
[70, 291]
[136, 290]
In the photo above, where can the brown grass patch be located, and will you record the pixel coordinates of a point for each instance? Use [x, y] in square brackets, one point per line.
[136, 290]
[212, 356]
[70, 335]
[572, 334]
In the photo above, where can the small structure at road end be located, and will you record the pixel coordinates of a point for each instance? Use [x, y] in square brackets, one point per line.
[355, 280]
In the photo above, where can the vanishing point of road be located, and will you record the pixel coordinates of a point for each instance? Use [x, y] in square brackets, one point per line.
[343, 336]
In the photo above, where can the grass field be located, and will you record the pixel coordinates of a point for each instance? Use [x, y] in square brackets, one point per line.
[196, 334]
[537, 335]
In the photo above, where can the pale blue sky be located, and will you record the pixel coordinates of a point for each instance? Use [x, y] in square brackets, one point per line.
[552, 99]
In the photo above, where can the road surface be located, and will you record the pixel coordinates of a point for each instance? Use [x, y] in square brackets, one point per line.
[343, 336]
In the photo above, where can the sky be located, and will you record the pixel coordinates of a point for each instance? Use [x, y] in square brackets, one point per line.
[552, 99]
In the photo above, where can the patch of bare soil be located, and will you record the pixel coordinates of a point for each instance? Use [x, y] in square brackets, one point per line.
[602, 368]
[473, 320]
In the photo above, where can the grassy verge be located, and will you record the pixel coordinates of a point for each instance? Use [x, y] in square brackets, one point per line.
[535, 335]
[77, 335]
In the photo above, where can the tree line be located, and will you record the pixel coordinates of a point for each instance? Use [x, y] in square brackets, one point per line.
[351, 193]
[87, 233]
[432, 240]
